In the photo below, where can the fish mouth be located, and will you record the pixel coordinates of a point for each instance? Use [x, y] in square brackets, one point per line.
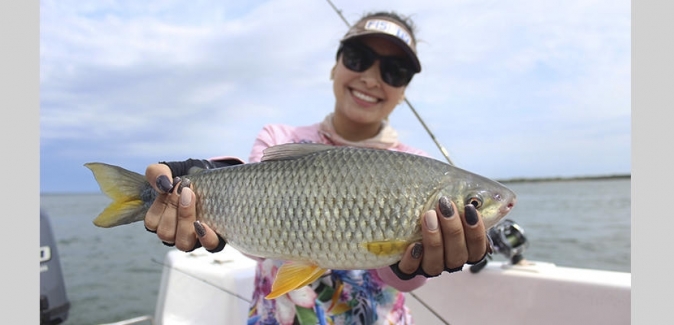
[506, 208]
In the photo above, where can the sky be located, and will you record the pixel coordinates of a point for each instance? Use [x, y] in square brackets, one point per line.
[527, 88]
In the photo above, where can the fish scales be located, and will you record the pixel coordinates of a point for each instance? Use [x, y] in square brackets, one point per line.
[290, 209]
[324, 206]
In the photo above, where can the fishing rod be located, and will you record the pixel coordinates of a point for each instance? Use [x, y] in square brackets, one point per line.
[437, 143]
[428, 130]
[515, 244]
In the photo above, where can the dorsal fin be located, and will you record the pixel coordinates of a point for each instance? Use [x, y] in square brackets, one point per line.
[292, 150]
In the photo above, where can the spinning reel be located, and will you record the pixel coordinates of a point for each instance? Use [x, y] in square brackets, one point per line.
[508, 239]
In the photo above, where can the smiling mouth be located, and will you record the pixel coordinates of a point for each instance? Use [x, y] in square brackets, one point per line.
[364, 97]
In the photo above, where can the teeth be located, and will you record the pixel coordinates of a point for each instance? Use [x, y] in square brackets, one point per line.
[364, 97]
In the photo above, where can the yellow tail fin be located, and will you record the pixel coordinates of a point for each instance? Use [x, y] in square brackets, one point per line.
[131, 194]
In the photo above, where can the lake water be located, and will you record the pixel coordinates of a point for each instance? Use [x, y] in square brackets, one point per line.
[114, 274]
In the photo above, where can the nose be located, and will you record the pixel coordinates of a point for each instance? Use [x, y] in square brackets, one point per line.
[371, 76]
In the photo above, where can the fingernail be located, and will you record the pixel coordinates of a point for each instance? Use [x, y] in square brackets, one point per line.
[471, 215]
[186, 198]
[446, 207]
[163, 183]
[199, 228]
[176, 181]
[185, 183]
[417, 250]
[431, 221]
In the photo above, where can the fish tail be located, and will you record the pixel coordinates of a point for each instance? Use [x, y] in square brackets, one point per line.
[131, 195]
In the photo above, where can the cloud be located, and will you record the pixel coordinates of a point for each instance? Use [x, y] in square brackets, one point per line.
[516, 82]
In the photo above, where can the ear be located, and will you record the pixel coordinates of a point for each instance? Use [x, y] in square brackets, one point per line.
[402, 99]
[332, 72]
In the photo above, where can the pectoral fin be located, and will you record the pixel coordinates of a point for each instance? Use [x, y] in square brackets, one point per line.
[294, 275]
[383, 248]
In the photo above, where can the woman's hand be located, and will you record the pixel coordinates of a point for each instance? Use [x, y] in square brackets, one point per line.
[449, 241]
[172, 216]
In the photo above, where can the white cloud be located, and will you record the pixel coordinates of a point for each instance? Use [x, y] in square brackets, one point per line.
[507, 78]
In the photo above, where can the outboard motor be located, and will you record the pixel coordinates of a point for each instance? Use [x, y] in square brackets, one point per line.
[54, 304]
[507, 238]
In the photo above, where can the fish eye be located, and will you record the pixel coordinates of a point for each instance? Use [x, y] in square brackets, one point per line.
[475, 200]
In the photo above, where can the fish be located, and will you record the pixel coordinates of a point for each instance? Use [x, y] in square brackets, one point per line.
[316, 207]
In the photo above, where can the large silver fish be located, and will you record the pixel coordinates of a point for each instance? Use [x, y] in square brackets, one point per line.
[318, 207]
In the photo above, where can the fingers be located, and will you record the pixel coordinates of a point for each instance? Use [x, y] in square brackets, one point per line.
[153, 215]
[450, 240]
[475, 235]
[433, 244]
[161, 217]
[157, 174]
[455, 252]
[411, 260]
[208, 238]
[173, 217]
[168, 220]
[153, 173]
[186, 215]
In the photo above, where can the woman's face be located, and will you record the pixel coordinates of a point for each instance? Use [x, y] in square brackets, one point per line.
[363, 97]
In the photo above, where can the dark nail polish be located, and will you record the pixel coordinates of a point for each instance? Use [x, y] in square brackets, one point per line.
[417, 250]
[163, 183]
[199, 228]
[471, 215]
[185, 183]
[176, 181]
[446, 207]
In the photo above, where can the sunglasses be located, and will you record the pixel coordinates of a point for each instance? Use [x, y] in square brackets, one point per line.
[395, 71]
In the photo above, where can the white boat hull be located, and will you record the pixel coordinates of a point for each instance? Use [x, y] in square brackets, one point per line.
[539, 293]
[201, 288]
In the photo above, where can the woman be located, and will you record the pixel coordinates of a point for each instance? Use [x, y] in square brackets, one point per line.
[376, 60]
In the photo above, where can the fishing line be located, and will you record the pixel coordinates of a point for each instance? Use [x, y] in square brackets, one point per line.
[428, 130]
[429, 308]
[202, 280]
[430, 133]
[249, 301]
[437, 143]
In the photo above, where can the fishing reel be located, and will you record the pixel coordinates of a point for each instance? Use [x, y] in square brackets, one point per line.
[508, 239]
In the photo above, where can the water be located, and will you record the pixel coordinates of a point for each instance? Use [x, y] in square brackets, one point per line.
[582, 223]
[114, 274]
[110, 274]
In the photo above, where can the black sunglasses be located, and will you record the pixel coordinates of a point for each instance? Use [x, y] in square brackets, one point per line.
[395, 71]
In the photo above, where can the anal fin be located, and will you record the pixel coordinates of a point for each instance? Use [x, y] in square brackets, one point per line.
[293, 275]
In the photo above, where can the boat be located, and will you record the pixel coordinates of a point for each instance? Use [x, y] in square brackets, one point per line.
[54, 303]
[205, 288]
[214, 288]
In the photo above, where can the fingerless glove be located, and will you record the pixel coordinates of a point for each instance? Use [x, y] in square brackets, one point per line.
[182, 168]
